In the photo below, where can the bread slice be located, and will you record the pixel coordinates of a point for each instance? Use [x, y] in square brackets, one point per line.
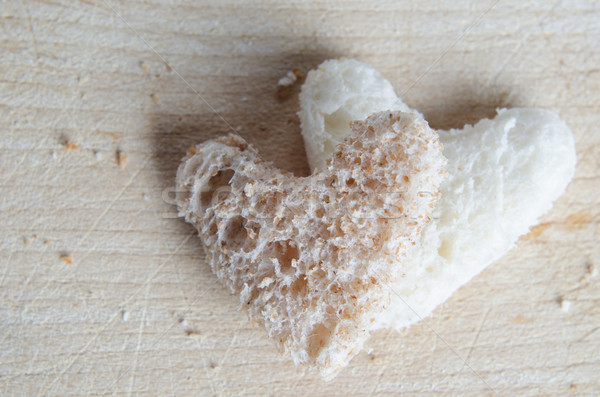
[312, 258]
[503, 175]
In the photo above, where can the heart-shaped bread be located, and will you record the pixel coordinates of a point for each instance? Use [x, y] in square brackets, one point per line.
[312, 258]
[503, 175]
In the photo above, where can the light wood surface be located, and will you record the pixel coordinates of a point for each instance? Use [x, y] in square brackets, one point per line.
[104, 291]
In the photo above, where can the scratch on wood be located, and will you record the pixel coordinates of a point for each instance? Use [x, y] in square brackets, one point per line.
[23, 157]
[483, 318]
[139, 342]
[31, 32]
[435, 340]
[116, 314]
[205, 365]
[111, 203]
[159, 338]
[231, 342]
[589, 334]
[437, 60]
[522, 41]
[5, 272]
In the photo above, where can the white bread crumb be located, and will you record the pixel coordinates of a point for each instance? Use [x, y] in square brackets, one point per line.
[289, 79]
[503, 175]
[565, 305]
[312, 258]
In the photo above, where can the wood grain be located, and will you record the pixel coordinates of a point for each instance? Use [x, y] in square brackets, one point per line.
[138, 312]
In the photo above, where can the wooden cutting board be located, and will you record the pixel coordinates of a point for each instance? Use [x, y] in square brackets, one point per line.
[104, 291]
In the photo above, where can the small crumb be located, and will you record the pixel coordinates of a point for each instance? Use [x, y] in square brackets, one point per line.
[144, 197]
[47, 243]
[182, 321]
[289, 79]
[168, 67]
[591, 272]
[66, 258]
[574, 387]
[565, 304]
[26, 241]
[121, 158]
[143, 66]
[98, 155]
[286, 82]
[53, 155]
[154, 98]
[124, 315]
[193, 333]
[72, 146]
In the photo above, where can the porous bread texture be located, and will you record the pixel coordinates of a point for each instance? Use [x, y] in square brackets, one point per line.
[311, 258]
[503, 175]
[338, 92]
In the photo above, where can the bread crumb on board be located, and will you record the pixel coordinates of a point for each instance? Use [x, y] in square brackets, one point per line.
[72, 146]
[121, 158]
[284, 85]
[66, 258]
[590, 273]
[565, 304]
[290, 78]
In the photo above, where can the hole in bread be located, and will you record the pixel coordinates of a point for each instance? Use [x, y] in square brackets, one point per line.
[220, 179]
[337, 122]
[234, 234]
[300, 286]
[318, 338]
[445, 249]
[286, 254]
[320, 212]
[318, 274]
[212, 229]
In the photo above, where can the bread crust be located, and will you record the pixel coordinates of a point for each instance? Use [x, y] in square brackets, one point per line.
[311, 258]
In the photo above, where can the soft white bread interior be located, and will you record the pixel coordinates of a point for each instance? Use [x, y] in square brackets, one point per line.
[312, 258]
[333, 95]
[503, 175]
